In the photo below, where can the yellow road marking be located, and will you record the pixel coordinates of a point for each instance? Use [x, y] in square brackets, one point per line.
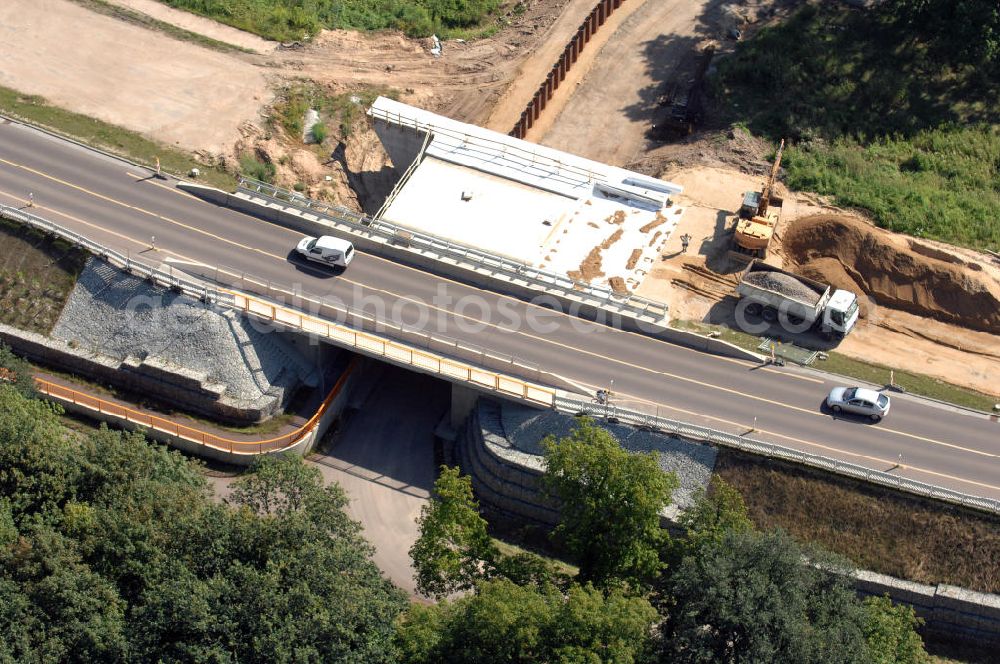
[823, 415]
[628, 397]
[390, 293]
[81, 221]
[143, 211]
[828, 448]
[492, 325]
[732, 360]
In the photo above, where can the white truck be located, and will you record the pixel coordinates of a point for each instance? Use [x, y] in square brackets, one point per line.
[777, 295]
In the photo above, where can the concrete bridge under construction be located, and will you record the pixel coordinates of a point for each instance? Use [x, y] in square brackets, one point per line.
[479, 327]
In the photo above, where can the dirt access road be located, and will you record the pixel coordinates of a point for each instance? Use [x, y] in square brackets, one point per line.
[199, 25]
[185, 94]
[468, 82]
[609, 113]
[188, 95]
[383, 458]
[173, 91]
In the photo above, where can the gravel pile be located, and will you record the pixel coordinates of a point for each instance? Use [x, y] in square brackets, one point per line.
[120, 316]
[525, 428]
[784, 284]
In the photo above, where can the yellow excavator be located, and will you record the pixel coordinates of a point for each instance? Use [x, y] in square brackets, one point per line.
[758, 218]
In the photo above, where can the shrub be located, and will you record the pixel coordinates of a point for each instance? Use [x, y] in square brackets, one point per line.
[254, 168]
[319, 132]
[17, 372]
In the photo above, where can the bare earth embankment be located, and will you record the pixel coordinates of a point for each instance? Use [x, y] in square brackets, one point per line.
[175, 92]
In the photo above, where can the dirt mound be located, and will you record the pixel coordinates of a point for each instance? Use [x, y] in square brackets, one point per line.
[831, 271]
[851, 254]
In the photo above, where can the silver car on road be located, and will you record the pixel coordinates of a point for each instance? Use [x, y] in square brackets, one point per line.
[858, 400]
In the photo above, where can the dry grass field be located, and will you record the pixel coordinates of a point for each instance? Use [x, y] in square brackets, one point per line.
[37, 274]
[877, 529]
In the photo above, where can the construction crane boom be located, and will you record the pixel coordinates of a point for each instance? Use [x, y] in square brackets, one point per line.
[765, 194]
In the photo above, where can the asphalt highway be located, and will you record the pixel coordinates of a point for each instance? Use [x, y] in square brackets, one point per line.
[122, 206]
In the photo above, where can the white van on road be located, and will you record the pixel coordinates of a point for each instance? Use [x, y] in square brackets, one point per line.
[326, 249]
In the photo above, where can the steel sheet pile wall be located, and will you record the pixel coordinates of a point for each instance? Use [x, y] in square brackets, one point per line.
[598, 15]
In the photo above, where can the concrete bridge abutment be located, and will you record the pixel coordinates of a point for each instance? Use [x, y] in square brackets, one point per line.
[463, 401]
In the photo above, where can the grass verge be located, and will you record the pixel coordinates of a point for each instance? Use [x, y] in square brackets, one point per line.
[511, 549]
[108, 137]
[878, 529]
[883, 112]
[877, 374]
[286, 20]
[513, 536]
[941, 183]
[169, 29]
[37, 274]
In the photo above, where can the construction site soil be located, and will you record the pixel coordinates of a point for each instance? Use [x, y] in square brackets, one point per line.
[488, 81]
[851, 254]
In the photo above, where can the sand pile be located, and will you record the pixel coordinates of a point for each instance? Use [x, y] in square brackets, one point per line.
[850, 254]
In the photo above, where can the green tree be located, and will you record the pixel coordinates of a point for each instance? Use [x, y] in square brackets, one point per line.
[454, 549]
[504, 622]
[610, 503]
[283, 484]
[958, 32]
[17, 372]
[891, 633]
[308, 571]
[525, 569]
[53, 607]
[753, 597]
[294, 507]
[8, 531]
[712, 515]
[177, 617]
[37, 473]
[111, 549]
[316, 602]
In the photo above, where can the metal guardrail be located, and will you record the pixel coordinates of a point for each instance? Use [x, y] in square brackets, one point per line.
[281, 294]
[501, 147]
[759, 447]
[404, 178]
[165, 278]
[462, 254]
[367, 343]
[169, 427]
[378, 346]
[494, 381]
